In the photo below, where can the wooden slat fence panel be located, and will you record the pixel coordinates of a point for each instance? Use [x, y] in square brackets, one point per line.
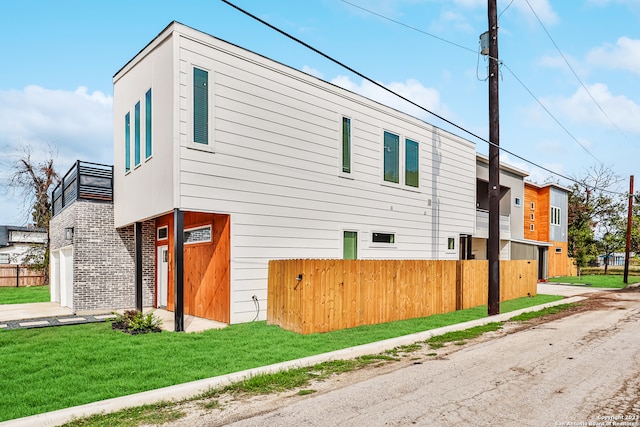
[336, 294]
[20, 276]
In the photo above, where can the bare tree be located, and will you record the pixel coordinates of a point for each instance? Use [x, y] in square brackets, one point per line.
[34, 180]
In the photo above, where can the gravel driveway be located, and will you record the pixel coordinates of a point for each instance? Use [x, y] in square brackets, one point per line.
[580, 369]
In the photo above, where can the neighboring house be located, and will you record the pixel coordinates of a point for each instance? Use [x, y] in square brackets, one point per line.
[614, 259]
[533, 220]
[21, 245]
[545, 220]
[225, 159]
[511, 200]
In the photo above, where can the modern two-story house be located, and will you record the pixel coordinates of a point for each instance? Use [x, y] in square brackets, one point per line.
[546, 221]
[225, 159]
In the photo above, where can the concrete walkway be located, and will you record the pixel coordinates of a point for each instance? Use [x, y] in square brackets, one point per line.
[186, 390]
[44, 314]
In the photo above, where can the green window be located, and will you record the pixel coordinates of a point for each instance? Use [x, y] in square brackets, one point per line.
[127, 142]
[200, 106]
[412, 157]
[147, 124]
[136, 130]
[346, 145]
[350, 249]
[391, 157]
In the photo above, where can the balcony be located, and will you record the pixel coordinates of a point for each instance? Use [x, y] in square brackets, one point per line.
[84, 181]
[482, 225]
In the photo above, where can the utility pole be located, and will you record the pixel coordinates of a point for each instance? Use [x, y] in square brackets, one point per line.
[493, 254]
[629, 222]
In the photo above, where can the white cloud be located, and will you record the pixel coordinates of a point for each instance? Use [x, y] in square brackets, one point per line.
[556, 61]
[580, 108]
[542, 8]
[313, 72]
[411, 89]
[625, 54]
[78, 124]
[74, 124]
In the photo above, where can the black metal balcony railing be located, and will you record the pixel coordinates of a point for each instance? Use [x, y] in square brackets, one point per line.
[85, 180]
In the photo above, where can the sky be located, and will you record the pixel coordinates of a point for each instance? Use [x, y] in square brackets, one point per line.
[569, 80]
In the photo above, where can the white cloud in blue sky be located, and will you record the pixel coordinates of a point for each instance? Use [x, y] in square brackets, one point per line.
[58, 88]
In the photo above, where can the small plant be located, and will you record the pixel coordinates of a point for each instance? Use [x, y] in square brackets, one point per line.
[134, 322]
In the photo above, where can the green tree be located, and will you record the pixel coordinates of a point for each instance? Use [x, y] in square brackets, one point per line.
[595, 216]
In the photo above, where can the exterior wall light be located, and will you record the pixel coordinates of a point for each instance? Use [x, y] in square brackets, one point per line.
[68, 233]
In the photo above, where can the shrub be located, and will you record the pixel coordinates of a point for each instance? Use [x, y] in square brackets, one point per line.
[134, 322]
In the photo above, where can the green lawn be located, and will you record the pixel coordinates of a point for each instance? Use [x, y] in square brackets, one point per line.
[13, 295]
[597, 280]
[58, 367]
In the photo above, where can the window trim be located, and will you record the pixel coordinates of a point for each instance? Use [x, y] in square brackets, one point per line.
[190, 143]
[517, 201]
[148, 122]
[406, 170]
[164, 227]
[532, 206]
[341, 143]
[558, 250]
[136, 135]
[403, 141]
[127, 142]
[349, 230]
[382, 244]
[447, 250]
[398, 162]
[531, 217]
[552, 217]
[532, 227]
[199, 227]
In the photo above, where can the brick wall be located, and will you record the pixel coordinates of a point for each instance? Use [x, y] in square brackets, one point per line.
[103, 257]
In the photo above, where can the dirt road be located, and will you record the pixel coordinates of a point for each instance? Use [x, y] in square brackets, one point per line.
[582, 369]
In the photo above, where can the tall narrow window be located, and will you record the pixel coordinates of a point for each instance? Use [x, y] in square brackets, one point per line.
[127, 142]
[412, 160]
[346, 145]
[555, 215]
[200, 106]
[391, 157]
[136, 130]
[350, 248]
[147, 124]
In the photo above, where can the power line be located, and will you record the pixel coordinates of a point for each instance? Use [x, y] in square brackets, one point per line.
[574, 72]
[564, 128]
[409, 26]
[381, 86]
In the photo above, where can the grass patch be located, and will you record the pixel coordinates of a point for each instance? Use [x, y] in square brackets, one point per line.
[549, 310]
[44, 372]
[24, 295]
[460, 337]
[597, 280]
[159, 413]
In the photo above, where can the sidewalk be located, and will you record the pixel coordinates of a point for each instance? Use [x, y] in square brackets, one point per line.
[45, 314]
[186, 390]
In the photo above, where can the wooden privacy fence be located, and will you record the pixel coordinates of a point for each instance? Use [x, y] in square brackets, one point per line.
[20, 275]
[321, 295]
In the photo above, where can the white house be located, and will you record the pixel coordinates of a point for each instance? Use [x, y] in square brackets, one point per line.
[241, 159]
[21, 245]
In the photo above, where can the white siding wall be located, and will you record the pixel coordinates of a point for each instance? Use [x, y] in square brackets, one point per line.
[273, 164]
[147, 190]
